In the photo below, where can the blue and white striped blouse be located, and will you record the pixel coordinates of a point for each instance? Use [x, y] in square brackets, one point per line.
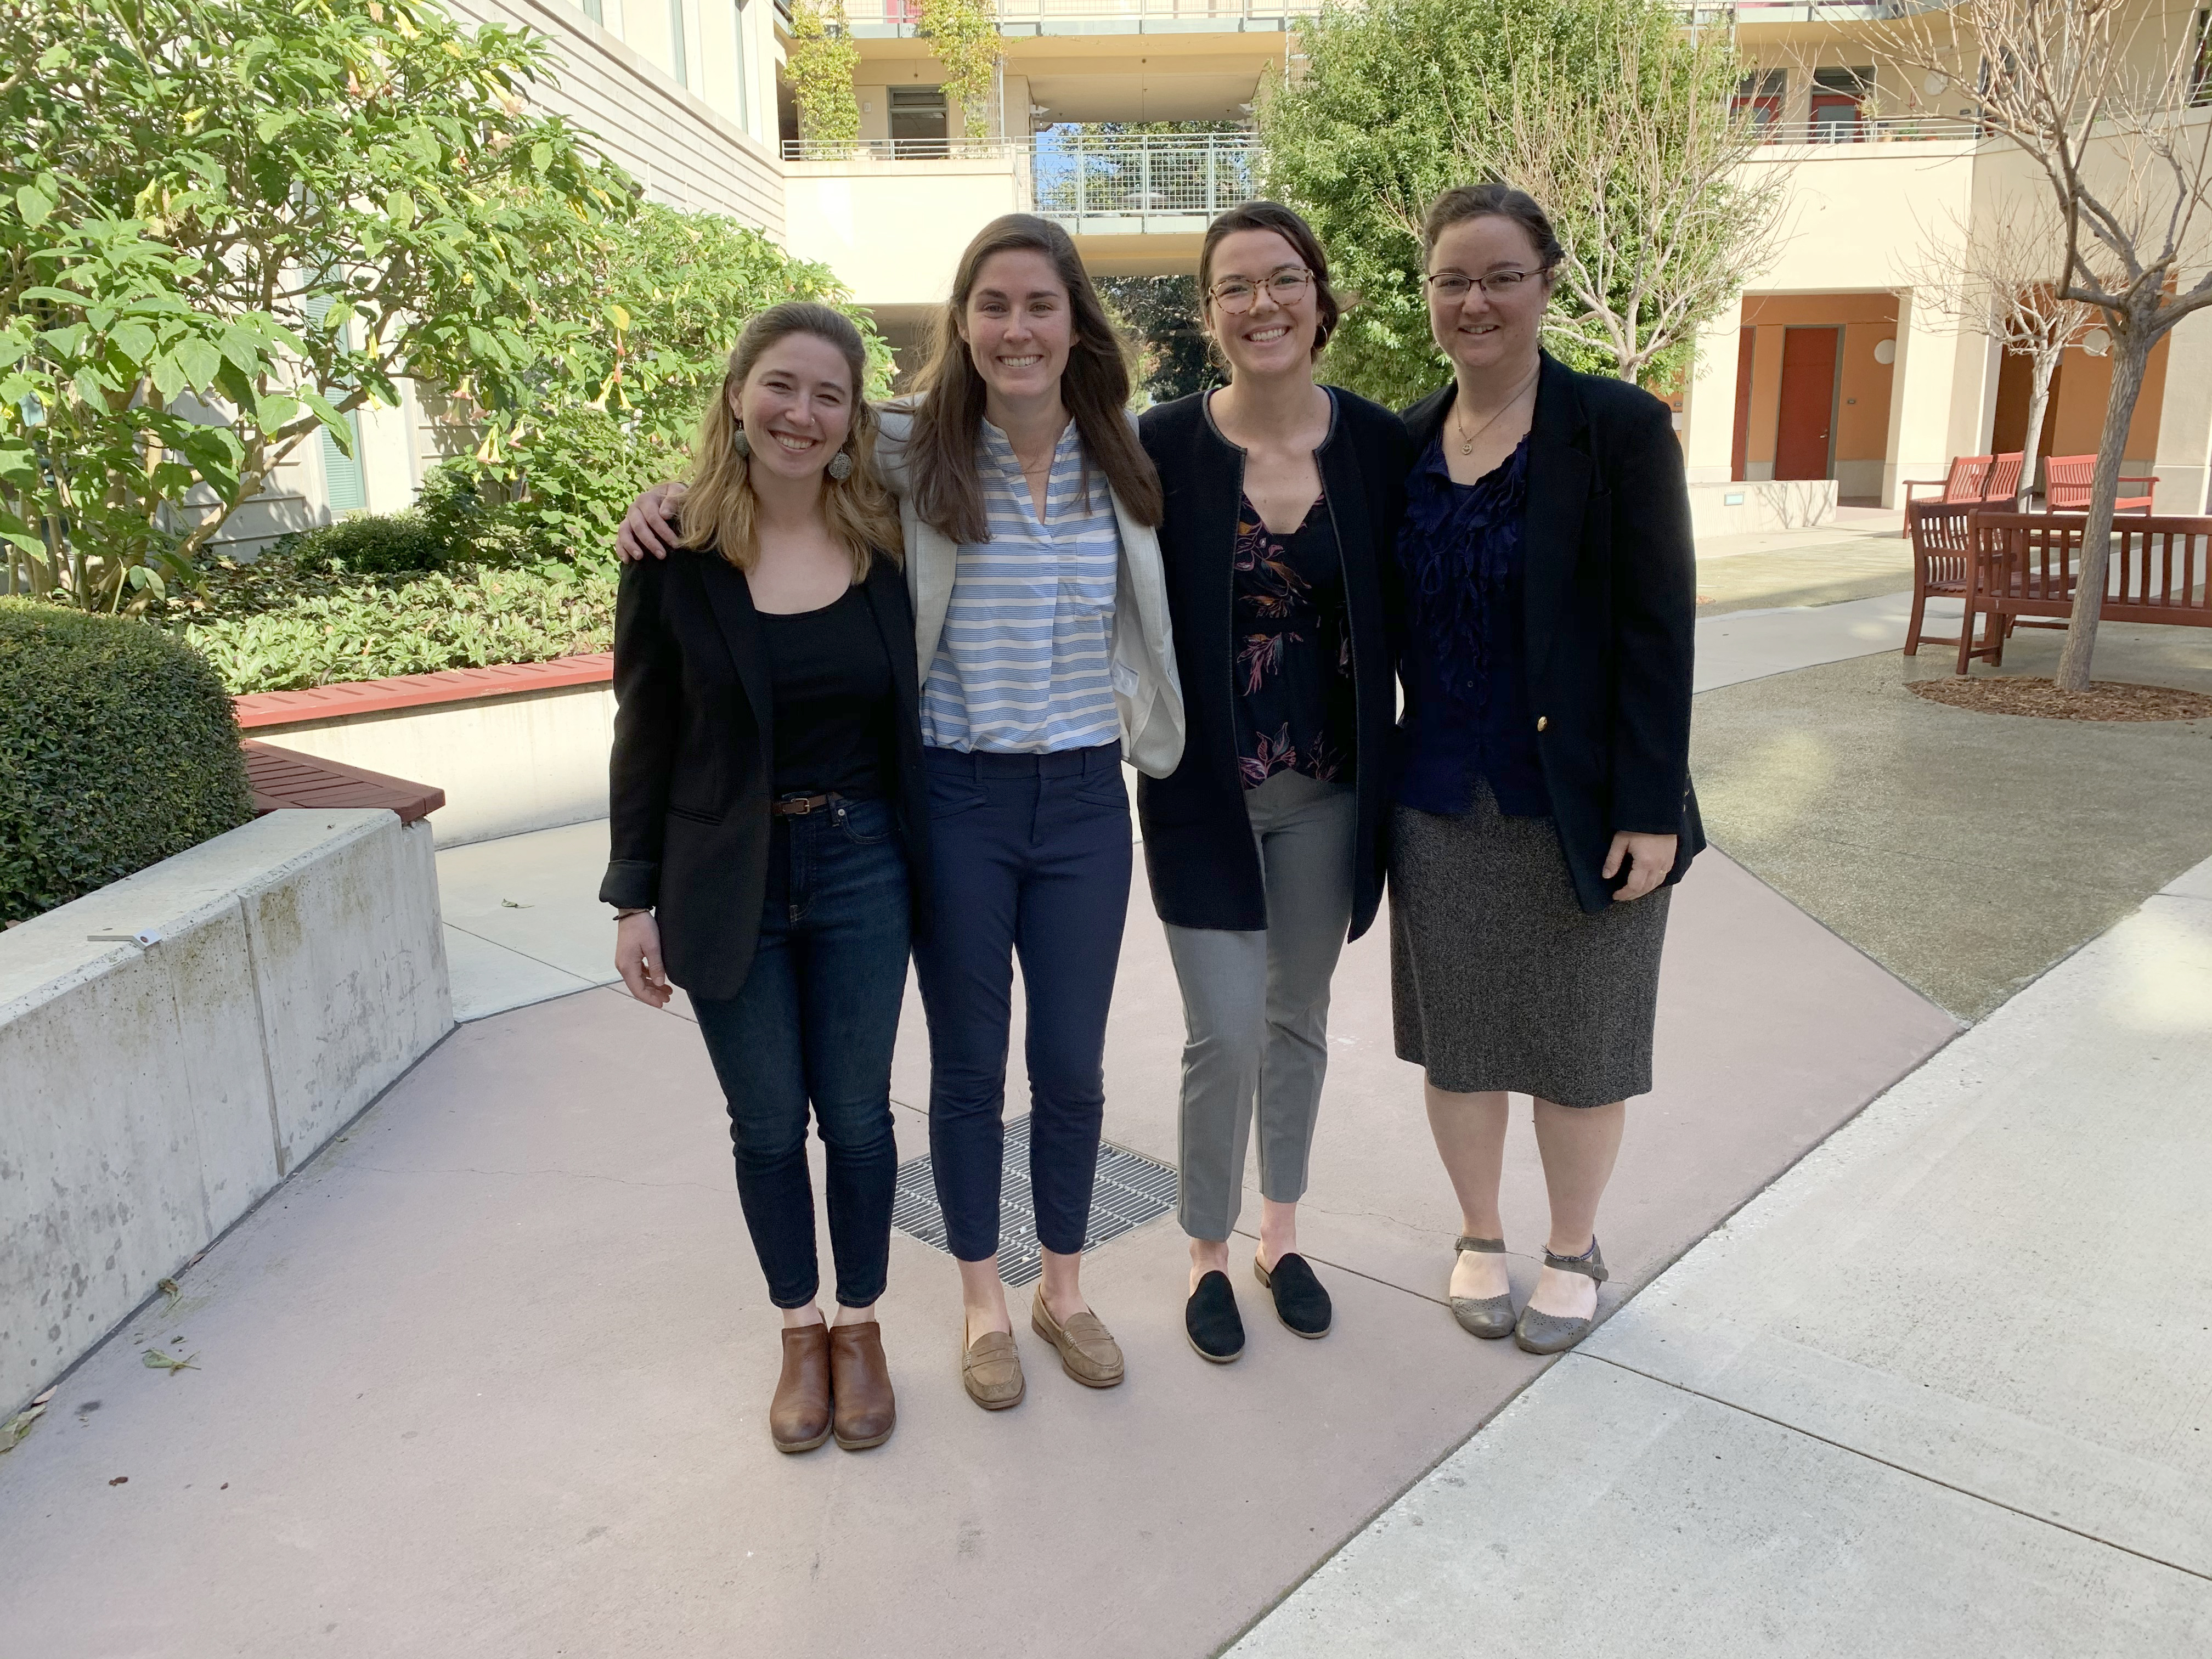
[1023, 667]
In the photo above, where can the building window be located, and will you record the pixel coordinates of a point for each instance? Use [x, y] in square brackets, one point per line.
[593, 9]
[918, 121]
[679, 60]
[2200, 77]
[1760, 95]
[1838, 95]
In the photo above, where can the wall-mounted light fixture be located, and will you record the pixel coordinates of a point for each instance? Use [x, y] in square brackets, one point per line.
[2097, 342]
[1884, 352]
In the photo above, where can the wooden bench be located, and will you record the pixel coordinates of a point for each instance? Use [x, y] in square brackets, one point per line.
[2025, 565]
[285, 777]
[2066, 481]
[1986, 480]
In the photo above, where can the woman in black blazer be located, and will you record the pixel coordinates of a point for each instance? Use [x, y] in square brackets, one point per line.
[1543, 801]
[1264, 846]
[769, 810]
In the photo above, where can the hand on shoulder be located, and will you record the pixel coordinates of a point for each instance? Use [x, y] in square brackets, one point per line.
[649, 527]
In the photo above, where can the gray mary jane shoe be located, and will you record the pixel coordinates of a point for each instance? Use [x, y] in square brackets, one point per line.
[1543, 1332]
[1486, 1316]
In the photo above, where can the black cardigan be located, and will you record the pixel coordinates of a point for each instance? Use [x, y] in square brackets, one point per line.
[1205, 870]
[1609, 610]
[694, 759]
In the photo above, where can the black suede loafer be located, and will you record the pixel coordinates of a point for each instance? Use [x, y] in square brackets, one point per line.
[1211, 1320]
[1300, 1302]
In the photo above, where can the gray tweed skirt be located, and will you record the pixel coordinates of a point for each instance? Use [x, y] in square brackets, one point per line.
[1499, 978]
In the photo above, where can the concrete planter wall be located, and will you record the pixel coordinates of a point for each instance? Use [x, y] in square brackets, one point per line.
[1748, 507]
[150, 1094]
[514, 748]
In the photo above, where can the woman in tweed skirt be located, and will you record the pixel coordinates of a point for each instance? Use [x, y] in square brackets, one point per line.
[1543, 804]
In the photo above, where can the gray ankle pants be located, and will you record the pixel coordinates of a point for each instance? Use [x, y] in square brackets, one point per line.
[1256, 1007]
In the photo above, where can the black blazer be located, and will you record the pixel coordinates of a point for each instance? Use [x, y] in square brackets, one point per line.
[694, 759]
[1609, 610]
[1198, 841]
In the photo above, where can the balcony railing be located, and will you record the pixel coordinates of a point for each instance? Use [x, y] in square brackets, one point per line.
[902, 149]
[1873, 129]
[1080, 178]
[905, 14]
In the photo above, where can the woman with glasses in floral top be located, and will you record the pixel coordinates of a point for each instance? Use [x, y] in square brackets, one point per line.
[1264, 846]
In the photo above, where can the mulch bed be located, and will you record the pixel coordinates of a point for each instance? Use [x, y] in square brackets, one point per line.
[2039, 699]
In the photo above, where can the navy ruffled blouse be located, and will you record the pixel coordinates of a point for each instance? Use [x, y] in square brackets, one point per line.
[1461, 556]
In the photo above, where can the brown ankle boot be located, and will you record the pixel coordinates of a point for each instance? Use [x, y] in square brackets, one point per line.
[861, 1384]
[798, 1417]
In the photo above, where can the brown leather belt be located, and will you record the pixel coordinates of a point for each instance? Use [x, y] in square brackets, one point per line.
[798, 806]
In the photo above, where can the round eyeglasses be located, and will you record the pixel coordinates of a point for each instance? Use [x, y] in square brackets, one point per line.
[1454, 285]
[1234, 294]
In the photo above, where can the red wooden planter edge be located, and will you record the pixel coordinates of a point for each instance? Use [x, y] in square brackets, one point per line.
[262, 709]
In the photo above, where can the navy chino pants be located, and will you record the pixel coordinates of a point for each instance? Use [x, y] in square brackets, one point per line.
[1031, 859]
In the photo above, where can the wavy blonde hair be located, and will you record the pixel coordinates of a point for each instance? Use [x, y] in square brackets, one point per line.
[719, 508]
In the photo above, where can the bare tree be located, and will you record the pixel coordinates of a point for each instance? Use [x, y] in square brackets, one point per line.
[1643, 172]
[1996, 279]
[2108, 113]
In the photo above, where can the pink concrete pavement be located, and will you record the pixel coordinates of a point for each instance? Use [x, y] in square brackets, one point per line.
[489, 1376]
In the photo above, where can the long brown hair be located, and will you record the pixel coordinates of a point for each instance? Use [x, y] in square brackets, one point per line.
[1293, 230]
[719, 508]
[1095, 385]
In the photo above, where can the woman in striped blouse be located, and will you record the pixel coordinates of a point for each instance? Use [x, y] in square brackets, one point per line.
[1041, 629]
[1041, 620]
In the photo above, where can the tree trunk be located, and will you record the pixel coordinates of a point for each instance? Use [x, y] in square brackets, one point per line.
[2130, 352]
[2043, 364]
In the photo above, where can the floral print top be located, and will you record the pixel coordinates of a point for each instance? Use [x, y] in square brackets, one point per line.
[1292, 650]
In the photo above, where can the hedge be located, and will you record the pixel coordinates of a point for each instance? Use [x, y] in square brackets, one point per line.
[117, 749]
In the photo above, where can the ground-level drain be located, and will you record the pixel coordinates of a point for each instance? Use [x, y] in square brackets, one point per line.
[1131, 1190]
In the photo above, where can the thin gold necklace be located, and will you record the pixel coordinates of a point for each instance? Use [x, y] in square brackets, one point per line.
[1467, 445]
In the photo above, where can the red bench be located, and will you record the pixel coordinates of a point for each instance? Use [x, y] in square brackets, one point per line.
[2066, 482]
[2026, 566]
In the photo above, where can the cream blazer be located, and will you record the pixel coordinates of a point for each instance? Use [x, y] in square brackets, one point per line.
[1146, 691]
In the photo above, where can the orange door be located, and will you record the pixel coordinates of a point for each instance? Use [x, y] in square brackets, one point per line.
[1804, 443]
[1737, 455]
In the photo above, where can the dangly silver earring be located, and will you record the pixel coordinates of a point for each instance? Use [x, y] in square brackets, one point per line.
[841, 467]
[742, 444]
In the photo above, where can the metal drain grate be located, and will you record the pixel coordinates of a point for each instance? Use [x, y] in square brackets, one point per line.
[1131, 1190]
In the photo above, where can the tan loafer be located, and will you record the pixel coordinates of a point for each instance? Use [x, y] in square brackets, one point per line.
[1088, 1353]
[991, 1371]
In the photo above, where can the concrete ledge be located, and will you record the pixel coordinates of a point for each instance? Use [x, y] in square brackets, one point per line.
[514, 748]
[155, 1091]
[1745, 508]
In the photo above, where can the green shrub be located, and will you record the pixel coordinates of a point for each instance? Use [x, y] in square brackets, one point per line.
[293, 626]
[377, 543]
[117, 749]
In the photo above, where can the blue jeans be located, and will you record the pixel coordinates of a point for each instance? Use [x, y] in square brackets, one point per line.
[815, 1022]
[1032, 857]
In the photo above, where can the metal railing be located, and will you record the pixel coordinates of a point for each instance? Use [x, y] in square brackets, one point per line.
[1873, 129]
[902, 149]
[1078, 176]
[1229, 13]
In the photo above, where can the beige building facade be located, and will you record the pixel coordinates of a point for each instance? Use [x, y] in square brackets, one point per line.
[1837, 372]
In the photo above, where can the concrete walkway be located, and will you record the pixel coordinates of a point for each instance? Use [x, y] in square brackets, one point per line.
[489, 1376]
[1945, 1388]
